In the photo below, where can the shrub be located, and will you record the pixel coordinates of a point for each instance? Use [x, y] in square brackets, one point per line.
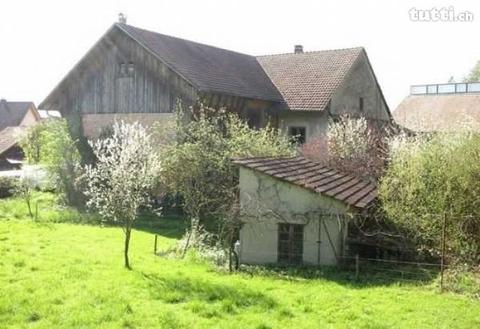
[198, 164]
[351, 146]
[432, 177]
[7, 187]
[50, 144]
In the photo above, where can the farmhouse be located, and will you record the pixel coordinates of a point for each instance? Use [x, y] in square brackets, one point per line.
[15, 117]
[440, 107]
[296, 211]
[138, 75]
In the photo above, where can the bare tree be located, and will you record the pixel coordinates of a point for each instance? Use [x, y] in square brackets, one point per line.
[119, 183]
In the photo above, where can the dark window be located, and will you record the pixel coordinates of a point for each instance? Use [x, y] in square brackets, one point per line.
[299, 134]
[360, 104]
[290, 243]
[126, 70]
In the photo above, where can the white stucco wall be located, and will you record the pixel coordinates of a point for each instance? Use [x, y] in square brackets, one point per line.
[315, 122]
[360, 82]
[261, 194]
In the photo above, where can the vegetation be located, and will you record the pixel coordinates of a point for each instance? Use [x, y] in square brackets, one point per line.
[123, 177]
[198, 166]
[7, 186]
[49, 143]
[432, 177]
[474, 75]
[67, 275]
[351, 146]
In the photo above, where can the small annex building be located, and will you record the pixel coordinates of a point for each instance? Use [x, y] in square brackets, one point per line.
[297, 211]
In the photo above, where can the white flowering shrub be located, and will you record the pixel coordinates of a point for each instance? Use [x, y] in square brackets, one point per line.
[120, 181]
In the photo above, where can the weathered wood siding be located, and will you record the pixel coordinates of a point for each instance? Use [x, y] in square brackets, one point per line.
[120, 76]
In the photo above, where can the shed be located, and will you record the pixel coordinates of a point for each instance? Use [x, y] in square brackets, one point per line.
[296, 211]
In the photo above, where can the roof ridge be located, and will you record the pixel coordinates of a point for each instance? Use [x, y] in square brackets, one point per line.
[314, 51]
[183, 39]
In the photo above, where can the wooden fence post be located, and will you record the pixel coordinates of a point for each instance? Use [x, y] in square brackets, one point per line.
[442, 265]
[357, 266]
[155, 245]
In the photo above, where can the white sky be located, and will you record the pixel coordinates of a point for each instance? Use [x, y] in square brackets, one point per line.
[42, 40]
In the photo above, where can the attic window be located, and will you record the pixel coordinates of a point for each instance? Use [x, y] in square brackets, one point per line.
[298, 134]
[126, 70]
[360, 104]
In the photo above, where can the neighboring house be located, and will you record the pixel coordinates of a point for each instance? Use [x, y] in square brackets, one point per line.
[138, 75]
[15, 118]
[440, 107]
[11, 155]
[296, 211]
[14, 114]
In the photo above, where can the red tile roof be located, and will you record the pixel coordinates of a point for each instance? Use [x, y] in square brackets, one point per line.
[314, 176]
[308, 80]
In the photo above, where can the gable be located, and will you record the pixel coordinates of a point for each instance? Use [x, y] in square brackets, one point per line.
[14, 114]
[97, 85]
[360, 82]
[307, 81]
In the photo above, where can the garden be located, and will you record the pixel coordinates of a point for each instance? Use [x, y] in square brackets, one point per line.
[137, 228]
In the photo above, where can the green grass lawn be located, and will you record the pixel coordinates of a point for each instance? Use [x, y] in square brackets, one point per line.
[63, 275]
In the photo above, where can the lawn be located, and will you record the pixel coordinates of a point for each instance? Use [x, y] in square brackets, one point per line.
[55, 274]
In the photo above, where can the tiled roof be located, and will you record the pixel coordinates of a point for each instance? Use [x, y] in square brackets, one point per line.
[208, 68]
[313, 176]
[308, 80]
[10, 136]
[12, 113]
[447, 112]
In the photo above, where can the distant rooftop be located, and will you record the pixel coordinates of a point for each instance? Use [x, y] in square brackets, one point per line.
[445, 88]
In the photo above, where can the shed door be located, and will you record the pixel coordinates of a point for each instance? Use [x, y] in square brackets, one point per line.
[290, 243]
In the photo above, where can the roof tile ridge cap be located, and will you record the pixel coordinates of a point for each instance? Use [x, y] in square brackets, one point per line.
[183, 39]
[359, 48]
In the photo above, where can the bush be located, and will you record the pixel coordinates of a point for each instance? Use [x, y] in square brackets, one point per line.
[351, 146]
[431, 177]
[50, 144]
[7, 187]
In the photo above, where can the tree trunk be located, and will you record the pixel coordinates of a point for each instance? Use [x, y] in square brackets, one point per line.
[128, 231]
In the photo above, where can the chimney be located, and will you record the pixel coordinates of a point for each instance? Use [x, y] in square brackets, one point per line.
[298, 49]
[122, 19]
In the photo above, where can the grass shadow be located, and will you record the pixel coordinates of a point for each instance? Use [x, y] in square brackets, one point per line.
[191, 290]
[368, 276]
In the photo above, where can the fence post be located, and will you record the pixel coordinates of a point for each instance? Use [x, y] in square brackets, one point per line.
[357, 266]
[442, 265]
[155, 245]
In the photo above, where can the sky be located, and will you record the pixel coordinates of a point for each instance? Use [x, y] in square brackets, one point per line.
[42, 40]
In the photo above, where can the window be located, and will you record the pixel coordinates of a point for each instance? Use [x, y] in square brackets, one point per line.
[126, 70]
[290, 243]
[299, 134]
[360, 104]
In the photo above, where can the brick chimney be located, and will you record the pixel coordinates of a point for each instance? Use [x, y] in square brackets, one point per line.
[298, 49]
